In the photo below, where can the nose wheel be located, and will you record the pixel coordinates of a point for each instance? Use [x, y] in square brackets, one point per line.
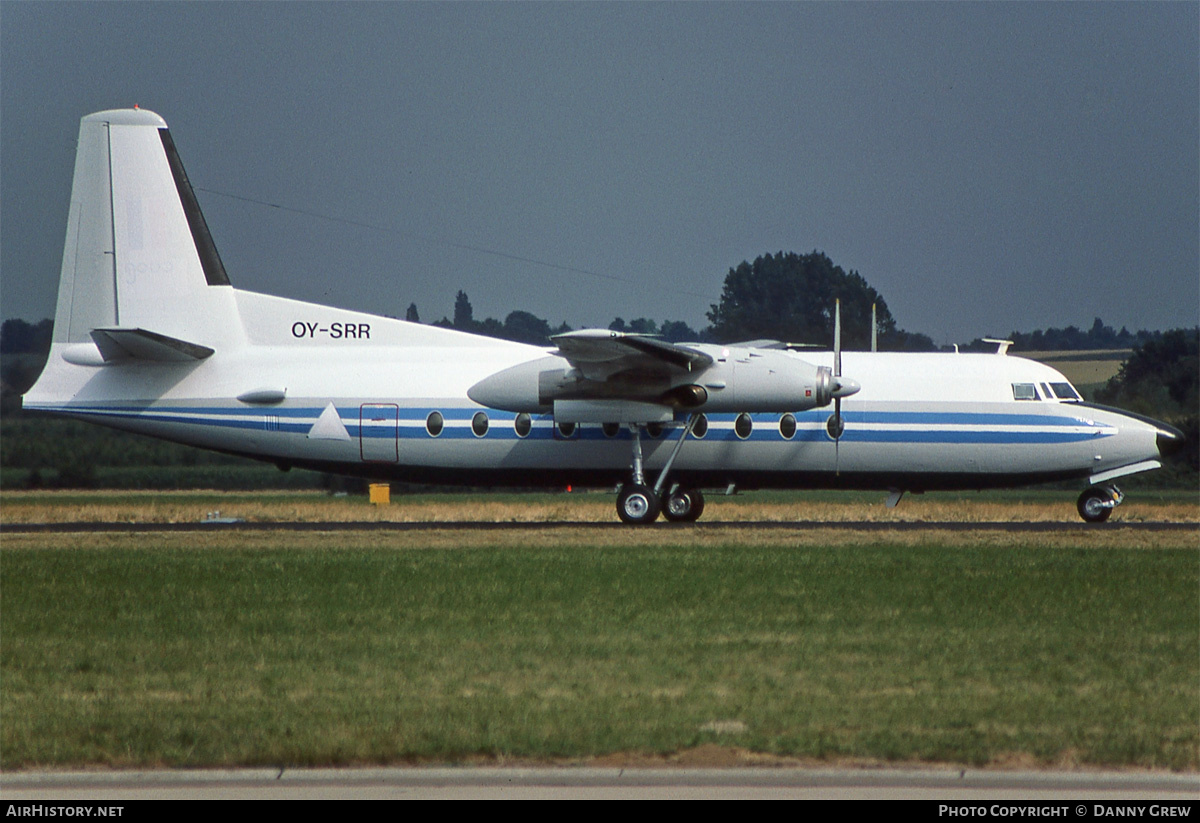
[1096, 503]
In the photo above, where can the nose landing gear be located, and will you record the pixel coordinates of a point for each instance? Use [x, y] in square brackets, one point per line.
[1096, 503]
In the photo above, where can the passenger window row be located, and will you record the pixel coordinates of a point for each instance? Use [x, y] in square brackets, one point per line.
[435, 424]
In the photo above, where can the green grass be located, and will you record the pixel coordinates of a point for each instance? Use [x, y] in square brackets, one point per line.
[290, 652]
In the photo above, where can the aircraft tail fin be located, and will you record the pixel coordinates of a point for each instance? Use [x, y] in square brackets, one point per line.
[138, 253]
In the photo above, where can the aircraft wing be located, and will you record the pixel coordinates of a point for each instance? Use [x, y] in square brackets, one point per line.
[599, 353]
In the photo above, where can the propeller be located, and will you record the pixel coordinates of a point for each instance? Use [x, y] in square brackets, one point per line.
[874, 330]
[835, 425]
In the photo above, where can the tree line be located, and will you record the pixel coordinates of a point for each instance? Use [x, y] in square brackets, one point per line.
[784, 296]
[1072, 338]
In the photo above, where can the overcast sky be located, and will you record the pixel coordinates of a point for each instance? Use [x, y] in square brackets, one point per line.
[986, 166]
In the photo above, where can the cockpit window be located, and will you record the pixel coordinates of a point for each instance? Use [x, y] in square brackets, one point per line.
[1064, 391]
[1024, 391]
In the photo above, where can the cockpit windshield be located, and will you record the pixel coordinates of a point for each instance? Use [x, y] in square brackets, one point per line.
[1065, 391]
[1049, 391]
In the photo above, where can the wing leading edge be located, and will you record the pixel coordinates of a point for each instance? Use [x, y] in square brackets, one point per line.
[598, 351]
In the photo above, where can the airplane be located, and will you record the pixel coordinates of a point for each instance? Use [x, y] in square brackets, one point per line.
[150, 336]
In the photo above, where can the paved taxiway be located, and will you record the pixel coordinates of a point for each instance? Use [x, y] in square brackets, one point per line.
[602, 783]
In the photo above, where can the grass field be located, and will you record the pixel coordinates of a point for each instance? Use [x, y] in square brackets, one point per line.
[572, 645]
[1142, 504]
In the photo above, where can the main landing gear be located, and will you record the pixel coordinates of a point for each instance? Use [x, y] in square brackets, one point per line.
[638, 503]
[1096, 503]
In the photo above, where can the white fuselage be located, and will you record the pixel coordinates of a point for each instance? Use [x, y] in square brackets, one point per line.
[920, 420]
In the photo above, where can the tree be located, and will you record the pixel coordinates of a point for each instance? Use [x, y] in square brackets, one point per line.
[524, 327]
[1162, 379]
[676, 331]
[411, 315]
[20, 337]
[1161, 376]
[790, 297]
[464, 315]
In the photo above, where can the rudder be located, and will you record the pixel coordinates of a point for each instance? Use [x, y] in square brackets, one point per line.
[138, 253]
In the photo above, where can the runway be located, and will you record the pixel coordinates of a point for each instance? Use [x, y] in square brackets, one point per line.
[577, 783]
[1038, 527]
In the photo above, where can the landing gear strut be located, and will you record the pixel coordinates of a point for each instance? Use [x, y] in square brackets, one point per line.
[637, 503]
[1096, 503]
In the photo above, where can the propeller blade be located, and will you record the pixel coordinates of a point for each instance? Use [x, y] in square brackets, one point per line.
[837, 338]
[836, 425]
[837, 440]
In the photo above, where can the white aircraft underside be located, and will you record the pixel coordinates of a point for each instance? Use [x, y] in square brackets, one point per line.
[150, 337]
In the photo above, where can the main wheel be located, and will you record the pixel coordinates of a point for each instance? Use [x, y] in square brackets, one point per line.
[1095, 504]
[683, 505]
[637, 504]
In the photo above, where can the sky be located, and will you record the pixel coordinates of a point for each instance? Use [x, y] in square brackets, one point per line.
[987, 167]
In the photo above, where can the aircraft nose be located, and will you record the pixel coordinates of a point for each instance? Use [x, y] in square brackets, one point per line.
[1169, 439]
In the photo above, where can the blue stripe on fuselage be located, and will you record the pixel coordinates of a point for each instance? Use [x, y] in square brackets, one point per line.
[1032, 428]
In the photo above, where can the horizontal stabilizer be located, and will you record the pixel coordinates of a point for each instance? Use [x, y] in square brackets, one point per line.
[116, 345]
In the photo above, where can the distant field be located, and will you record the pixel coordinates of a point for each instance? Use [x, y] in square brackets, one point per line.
[1083, 368]
[576, 646]
[1142, 504]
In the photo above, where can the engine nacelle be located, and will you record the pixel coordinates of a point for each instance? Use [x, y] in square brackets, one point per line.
[765, 381]
[739, 380]
[534, 387]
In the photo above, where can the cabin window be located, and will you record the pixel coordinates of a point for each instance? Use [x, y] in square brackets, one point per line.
[610, 429]
[700, 427]
[479, 424]
[743, 426]
[1064, 391]
[434, 424]
[655, 430]
[566, 430]
[522, 424]
[1024, 391]
[787, 426]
